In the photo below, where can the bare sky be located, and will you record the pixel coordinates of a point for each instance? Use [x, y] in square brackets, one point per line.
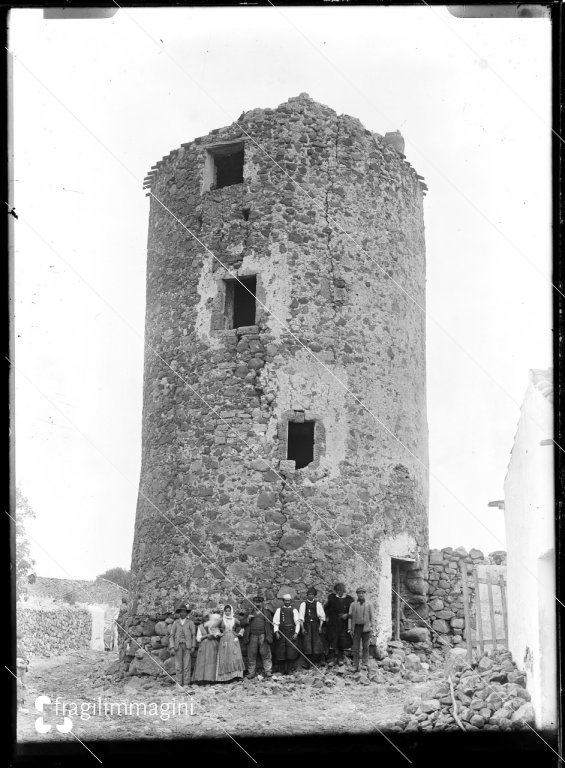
[472, 99]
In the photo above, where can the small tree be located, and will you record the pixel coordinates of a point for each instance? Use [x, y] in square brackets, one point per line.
[70, 597]
[118, 575]
[24, 561]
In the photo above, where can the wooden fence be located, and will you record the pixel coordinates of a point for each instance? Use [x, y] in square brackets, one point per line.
[484, 602]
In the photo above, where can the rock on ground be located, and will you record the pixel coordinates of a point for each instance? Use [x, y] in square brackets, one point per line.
[308, 702]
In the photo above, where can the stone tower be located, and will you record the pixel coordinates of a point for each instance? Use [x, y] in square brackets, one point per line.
[253, 449]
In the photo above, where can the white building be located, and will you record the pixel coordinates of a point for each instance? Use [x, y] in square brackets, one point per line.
[529, 514]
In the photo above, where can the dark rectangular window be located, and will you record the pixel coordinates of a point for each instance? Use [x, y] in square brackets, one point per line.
[301, 442]
[224, 166]
[240, 301]
[229, 169]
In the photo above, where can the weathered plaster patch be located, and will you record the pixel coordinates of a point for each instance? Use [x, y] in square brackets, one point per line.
[207, 292]
[302, 385]
[276, 285]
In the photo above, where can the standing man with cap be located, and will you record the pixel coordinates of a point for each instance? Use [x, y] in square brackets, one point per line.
[182, 642]
[286, 625]
[312, 617]
[258, 636]
[360, 623]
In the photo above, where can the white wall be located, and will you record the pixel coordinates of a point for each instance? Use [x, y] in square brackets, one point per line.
[97, 636]
[529, 520]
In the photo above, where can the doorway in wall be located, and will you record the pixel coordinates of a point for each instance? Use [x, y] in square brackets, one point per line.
[399, 570]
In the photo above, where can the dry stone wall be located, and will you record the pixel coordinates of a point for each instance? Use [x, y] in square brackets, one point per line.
[99, 592]
[53, 631]
[446, 614]
[221, 510]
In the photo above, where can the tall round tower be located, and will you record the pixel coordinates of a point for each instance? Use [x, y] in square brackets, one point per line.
[265, 462]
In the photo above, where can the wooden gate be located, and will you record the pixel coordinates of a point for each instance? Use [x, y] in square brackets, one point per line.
[484, 603]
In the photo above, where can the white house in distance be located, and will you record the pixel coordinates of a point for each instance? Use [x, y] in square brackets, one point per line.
[529, 515]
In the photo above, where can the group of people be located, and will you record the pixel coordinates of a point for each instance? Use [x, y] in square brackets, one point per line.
[283, 634]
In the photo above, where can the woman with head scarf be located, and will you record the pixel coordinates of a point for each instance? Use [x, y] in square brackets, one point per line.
[208, 638]
[229, 665]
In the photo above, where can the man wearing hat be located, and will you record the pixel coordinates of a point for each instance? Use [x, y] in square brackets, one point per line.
[360, 623]
[286, 625]
[182, 642]
[312, 618]
[258, 636]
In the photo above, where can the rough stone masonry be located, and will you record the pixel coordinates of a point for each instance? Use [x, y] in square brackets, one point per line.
[251, 447]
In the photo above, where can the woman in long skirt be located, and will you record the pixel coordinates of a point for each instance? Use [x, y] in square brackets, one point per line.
[230, 662]
[208, 639]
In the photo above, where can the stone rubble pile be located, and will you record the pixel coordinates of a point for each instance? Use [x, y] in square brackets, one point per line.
[401, 661]
[410, 660]
[146, 652]
[498, 557]
[490, 695]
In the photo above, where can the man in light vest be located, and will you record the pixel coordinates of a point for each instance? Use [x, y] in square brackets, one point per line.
[286, 625]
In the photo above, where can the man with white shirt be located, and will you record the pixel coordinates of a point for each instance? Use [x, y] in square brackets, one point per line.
[286, 626]
[312, 618]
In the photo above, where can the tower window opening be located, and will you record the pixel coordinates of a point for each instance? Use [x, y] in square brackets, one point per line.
[245, 212]
[224, 166]
[300, 445]
[240, 301]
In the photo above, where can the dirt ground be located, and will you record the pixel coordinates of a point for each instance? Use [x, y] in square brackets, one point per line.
[306, 703]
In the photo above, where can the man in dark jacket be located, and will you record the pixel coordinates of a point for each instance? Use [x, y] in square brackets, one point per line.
[337, 614]
[312, 617]
[258, 636]
[182, 642]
